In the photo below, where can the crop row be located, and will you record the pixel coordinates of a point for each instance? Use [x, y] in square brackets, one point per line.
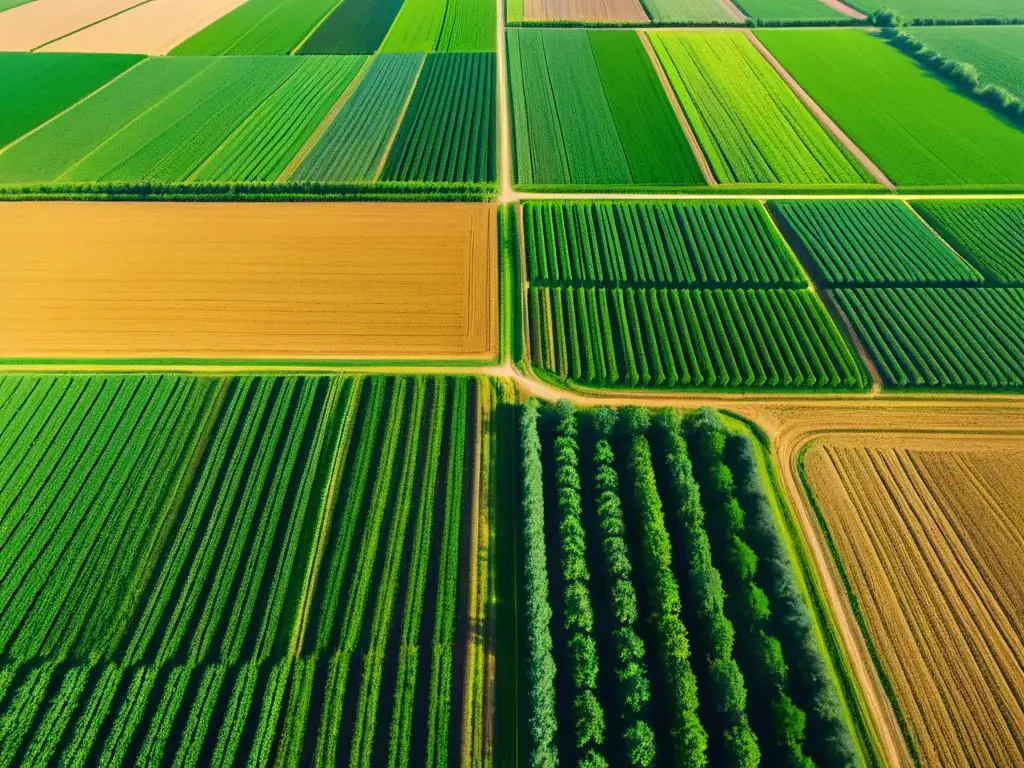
[179, 120]
[587, 108]
[656, 244]
[699, 338]
[968, 338]
[716, 606]
[859, 242]
[185, 560]
[466, 26]
[750, 125]
[988, 232]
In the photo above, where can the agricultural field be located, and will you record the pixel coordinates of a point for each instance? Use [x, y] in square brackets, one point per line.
[927, 533]
[581, 10]
[790, 10]
[355, 143]
[664, 619]
[353, 27]
[35, 88]
[872, 243]
[589, 110]
[220, 571]
[723, 338]
[693, 11]
[920, 131]
[988, 233]
[448, 133]
[959, 338]
[259, 27]
[656, 244]
[997, 53]
[153, 27]
[262, 147]
[963, 10]
[751, 127]
[248, 281]
[453, 26]
[31, 25]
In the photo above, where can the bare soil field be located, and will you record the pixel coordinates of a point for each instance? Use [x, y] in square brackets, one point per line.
[583, 10]
[152, 28]
[929, 531]
[34, 24]
[248, 281]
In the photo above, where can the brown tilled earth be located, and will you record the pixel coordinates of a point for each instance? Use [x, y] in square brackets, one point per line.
[930, 532]
[153, 28]
[248, 280]
[583, 10]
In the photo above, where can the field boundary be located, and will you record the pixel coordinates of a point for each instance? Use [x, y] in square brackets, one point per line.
[822, 117]
[398, 123]
[691, 137]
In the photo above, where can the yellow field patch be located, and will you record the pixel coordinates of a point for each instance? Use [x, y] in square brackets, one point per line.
[929, 532]
[248, 280]
[152, 28]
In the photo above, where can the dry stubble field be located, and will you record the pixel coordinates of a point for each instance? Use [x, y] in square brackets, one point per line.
[248, 280]
[929, 531]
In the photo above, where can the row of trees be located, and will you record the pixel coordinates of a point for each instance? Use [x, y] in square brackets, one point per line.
[631, 670]
[541, 665]
[725, 683]
[579, 612]
[749, 606]
[812, 685]
[689, 740]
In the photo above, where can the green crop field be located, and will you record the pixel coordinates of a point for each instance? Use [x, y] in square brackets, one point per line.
[170, 141]
[355, 26]
[354, 144]
[918, 129]
[216, 571]
[688, 11]
[947, 9]
[448, 131]
[651, 638]
[259, 27]
[964, 338]
[272, 135]
[587, 109]
[878, 243]
[443, 25]
[656, 244]
[707, 338]
[751, 127]
[989, 233]
[35, 88]
[996, 52]
[789, 10]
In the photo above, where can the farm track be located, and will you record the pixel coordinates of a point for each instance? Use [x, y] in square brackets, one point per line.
[840, 7]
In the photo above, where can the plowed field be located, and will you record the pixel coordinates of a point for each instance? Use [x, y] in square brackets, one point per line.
[251, 281]
[929, 532]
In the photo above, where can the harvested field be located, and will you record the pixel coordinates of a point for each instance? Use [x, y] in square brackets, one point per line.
[309, 281]
[583, 10]
[943, 518]
[34, 24]
[153, 28]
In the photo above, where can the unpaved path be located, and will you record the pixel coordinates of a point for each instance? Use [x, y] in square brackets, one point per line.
[819, 113]
[691, 137]
[840, 7]
[732, 10]
[505, 192]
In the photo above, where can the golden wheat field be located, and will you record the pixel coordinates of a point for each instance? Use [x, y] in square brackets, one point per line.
[248, 280]
[929, 531]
